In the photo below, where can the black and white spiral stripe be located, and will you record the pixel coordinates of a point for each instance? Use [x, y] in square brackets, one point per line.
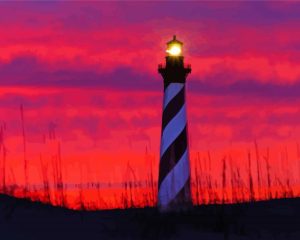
[174, 171]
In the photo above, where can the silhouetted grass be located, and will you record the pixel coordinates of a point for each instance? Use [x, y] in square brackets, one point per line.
[231, 183]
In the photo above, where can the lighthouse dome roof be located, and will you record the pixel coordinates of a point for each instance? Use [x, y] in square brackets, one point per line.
[174, 41]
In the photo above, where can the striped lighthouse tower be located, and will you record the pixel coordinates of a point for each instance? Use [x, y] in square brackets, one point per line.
[174, 168]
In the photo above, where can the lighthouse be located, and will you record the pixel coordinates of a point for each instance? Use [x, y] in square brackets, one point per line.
[174, 167]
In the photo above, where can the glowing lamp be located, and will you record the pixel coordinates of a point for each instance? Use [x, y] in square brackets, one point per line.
[174, 47]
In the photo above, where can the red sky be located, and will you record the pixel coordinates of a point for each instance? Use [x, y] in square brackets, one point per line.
[90, 70]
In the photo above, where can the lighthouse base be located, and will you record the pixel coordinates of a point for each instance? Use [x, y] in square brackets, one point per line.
[181, 203]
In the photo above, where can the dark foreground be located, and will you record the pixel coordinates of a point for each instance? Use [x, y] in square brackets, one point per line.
[277, 219]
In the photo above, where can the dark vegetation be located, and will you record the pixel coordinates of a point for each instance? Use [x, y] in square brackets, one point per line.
[227, 207]
[275, 219]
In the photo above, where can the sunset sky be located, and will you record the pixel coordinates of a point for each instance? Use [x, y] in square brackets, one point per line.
[89, 71]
